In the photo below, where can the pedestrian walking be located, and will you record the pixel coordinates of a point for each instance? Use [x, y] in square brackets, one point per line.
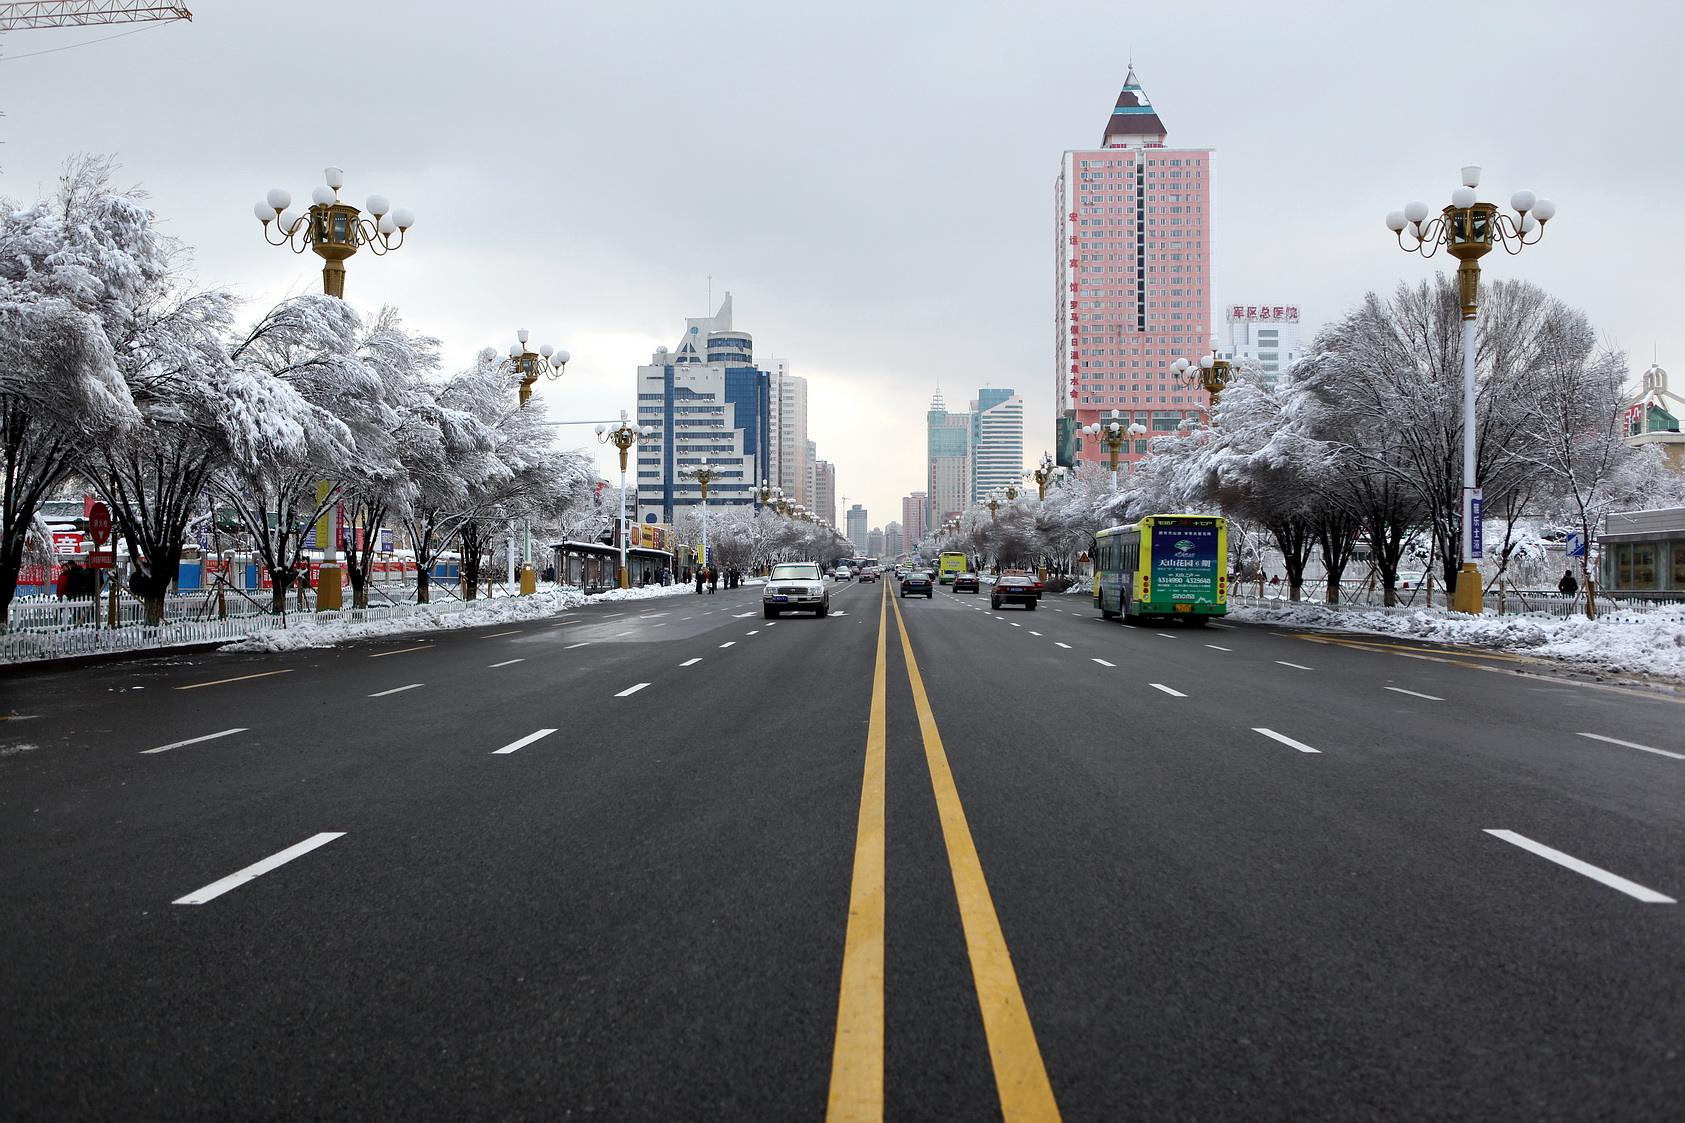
[67, 581]
[713, 580]
[701, 578]
[1567, 586]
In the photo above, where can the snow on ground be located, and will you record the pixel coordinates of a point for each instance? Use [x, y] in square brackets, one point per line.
[1628, 643]
[308, 631]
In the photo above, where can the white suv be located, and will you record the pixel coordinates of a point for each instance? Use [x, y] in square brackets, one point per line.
[795, 587]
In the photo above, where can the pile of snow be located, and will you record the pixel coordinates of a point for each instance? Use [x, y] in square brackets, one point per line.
[1626, 643]
[310, 631]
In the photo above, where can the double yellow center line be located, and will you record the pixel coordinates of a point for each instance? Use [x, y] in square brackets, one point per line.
[857, 1059]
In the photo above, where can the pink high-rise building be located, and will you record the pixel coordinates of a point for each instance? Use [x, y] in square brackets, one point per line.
[1134, 277]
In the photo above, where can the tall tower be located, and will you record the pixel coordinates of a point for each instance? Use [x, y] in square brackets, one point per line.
[1133, 279]
[948, 461]
[997, 439]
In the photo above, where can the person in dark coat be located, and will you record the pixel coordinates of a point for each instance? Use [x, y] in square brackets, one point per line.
[1567, 586]
[701, 578]
[66, 579]
[713, 579]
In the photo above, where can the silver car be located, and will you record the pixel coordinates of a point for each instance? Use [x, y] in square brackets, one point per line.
[795, 587]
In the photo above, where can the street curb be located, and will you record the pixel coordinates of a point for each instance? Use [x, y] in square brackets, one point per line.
[65, 662]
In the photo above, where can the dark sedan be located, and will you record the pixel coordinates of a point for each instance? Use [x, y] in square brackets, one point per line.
[916, 582]
[967, 583]
[1012, 589]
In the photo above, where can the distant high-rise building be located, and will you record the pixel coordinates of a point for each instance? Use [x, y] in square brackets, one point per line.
[825, 492]
[788, 455]
[948, 462]
[1133, 285]
[874, 542]
[1265, 336]
[997, 441]
[857, 532]
[894, 545]
[707, 404]
[810, 460]
[912, 518]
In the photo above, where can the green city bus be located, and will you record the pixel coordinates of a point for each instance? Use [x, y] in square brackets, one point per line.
[1164, 565]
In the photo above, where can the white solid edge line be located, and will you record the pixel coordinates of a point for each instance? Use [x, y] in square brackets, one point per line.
[1414, 694]
[631, 690]
[1290, 742]
[1568, 861]
[523, 742]
[571, 646]
[395, 690]
[1167, 690]
[1614, 741]
[1295, 666]
[689, 662]
[494, 635]
[257, 869]
[1103, 663]
[230, 733]
[508, 662]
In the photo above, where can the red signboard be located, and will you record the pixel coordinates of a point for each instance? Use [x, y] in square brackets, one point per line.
[99, 523]
[67, 542]
[102, 559]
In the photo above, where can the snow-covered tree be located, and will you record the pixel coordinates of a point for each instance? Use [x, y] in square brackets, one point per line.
[72, 269]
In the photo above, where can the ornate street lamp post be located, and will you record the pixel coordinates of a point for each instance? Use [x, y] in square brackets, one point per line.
[1043, 475]
[1113, 435]
[529, 365]
[993, 505]
[704, 475]
[1467, 229]
[1210, 373]
[335, 230]
[623, 436]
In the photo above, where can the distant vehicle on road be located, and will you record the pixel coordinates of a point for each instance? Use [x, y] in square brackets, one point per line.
[949, 564]
[844, 573]
[795, 587]
[1034, 580]
[1013, 589]
[918, 581]
[966, 582]
[870, 572]
[1163, 566]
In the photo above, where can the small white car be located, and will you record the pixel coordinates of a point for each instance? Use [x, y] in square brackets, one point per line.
[844, 573]
[795, 587]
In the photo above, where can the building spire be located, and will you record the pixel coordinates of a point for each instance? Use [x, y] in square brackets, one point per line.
[1133, 120]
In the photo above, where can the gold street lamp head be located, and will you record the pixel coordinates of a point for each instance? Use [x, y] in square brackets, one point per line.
[530, 365]
[1468, 229]
[333, 229]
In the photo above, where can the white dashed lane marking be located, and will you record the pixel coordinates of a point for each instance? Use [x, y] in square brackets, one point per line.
[630, 690]
[226, 733]
[1214, 647]
[1066, 646]
[1103, 663]
[1295, 666]
[1167, 690]
[691, 662]
[508, 663]
[1290, 742]
[1413, 694]
[395, 690]
[523, 742]
[257, 869]
[1616, 741]
[1568, 861]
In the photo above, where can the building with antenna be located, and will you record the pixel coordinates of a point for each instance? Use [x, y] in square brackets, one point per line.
[1133, 275]
[948, 462]
[1653, 419]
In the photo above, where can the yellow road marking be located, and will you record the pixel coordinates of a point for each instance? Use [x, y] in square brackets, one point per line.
[1020, 1077]
[857, 1057]
[236, 678]
[400, 651]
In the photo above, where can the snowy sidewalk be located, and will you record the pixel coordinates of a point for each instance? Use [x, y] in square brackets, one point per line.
[1651, 644]
[316, 632]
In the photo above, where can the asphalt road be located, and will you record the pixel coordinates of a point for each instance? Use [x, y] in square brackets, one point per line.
[667, 860]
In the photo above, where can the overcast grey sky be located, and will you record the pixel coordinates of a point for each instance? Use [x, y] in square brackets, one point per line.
[873, 181]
